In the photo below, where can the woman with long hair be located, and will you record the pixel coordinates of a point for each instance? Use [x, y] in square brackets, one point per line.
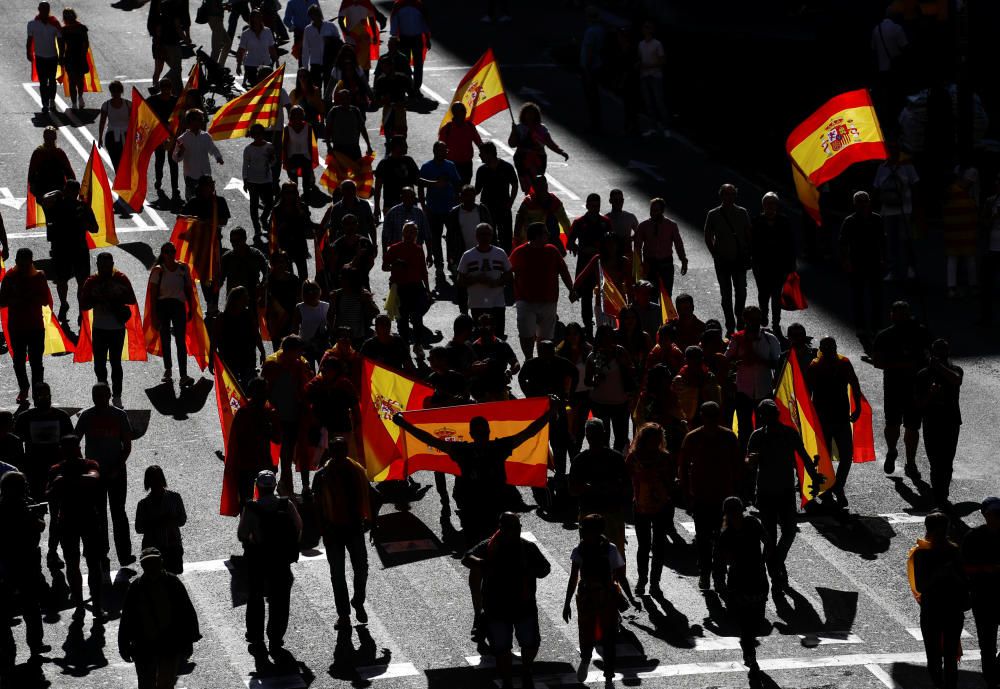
[172, 298]
[75, 44]
[346, 74]
[159, 517]
[575, 347]
[113, 125]
[308, 96]
[529, 137]
[654, 475]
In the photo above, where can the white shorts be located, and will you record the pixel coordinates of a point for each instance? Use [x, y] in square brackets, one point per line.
[536, 320]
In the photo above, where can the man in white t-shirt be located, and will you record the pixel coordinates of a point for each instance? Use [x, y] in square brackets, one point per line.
[315, 38]
[484, 270]
[651, 61]
[43, 34]
[257, 50]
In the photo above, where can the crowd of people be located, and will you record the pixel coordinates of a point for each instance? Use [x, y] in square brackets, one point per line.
[643, 399]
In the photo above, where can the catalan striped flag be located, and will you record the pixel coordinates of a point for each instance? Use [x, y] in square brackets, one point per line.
[34, 215]
[259, 105]
[527, 466]
[384, 393]
[133, 349]
[481, 90]
[176, 121]
[795, 409]
[198, 245]
[195, 334]
[96, 192]
[145, 134]
[667, 309]
[340, 167]
[91, 80]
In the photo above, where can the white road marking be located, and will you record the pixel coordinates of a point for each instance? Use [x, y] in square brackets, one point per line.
[237, 184]
[883, 676]
[279, 682]
[919, 635]
[9, 200]
[832, 638]
[391, 671]
[903, 518]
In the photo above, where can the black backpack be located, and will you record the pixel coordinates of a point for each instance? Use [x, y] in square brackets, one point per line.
[279, 538]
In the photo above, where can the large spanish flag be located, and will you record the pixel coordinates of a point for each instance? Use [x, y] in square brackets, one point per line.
[795, 409]
[529, 464]
[229, 398]
[340, 167]
[259, 105]
[481, 90]
[34, 214]
[91, 80]
[198, 245]
[56, 341]
[384, 392]
[145, 134]
[96, 192]
[176, 121]
[133, 349]
[195, 334]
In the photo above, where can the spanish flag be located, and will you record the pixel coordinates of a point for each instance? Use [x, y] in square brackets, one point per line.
[259, 105]
[481, 90]
[145, 134]
[795, 409]
[176, 122]
[340, 167]
[842, 132]
[228, 398]
[667, 310]
[364, 36]
[198, 245]
[56, 341]
[612, 299]
[133, 349]
[96, 192]
[196, 334]
[384, 392]
[864, 434]
[91, 80]
[528, 466]
[34, 215]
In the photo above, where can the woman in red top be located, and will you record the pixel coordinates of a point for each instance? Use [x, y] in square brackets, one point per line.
[460, 134]
[407, 267]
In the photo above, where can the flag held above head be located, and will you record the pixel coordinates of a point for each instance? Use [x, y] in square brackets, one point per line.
[481, 91]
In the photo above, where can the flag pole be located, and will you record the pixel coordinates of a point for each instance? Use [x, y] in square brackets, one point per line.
[503, 86]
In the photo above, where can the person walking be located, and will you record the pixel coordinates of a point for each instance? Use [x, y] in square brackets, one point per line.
[108, 433]
[742, 561]
[938, 583]
[656, 238]
[510, 567]
[163, 105]
[408, 23]
[158, 626]
[652, 60]
[109, 294]
[597, 577]
[863, 253]
[44, 35]
[257, 50]
[654, 477]
[981, 558]
[192, 150]
[461, 224]
[172, 296]
[159, 517]
[833, 385]
[460, 135]
[113, 124]
[711, 470]
[68, 220]
[23, 292]
[256, 425]
[73, 47]
[287, 373]
[937, 388]
[497, 186]
[48, 168]
[755, 353]
[771, 454]
[258, 158]
[438, 193]
[599, 480]
[529, 138]
[772, 253]
[483, 272]
[270, 529]
[341, 491]
[727, 234]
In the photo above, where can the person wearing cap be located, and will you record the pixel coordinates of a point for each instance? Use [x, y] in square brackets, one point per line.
[344, 510]
[981, 557]
[937, 390]
[771, 454]
[74, 489]
[158, 626]
[270, 529]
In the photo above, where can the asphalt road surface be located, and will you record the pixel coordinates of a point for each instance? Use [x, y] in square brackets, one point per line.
[849, 589]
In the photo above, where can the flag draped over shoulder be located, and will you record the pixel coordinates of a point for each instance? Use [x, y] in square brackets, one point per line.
[795, 409]
[197, 246]
[195, 333]
[385, 392]
[340, 167]
[844, 131]
[259, 105]
[56, 341]
[145, 134]
[667, 310]
[34, 215]
[481, 90]
[91, 80]
[528, 466]
[133, 349]
[96, 192]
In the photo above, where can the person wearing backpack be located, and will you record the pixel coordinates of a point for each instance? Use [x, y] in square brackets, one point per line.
[270, 529]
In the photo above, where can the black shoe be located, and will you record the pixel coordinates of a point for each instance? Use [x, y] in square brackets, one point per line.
[360, 614]
[257, 648]
[911, 470]
[890, 460]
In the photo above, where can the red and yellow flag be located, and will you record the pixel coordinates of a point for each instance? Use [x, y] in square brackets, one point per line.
[842, 132]
[176, 121]
[56, 341]
[612, 299]
[528, 466]
[384, 392]
[133, 349]
[34, 215]
[795, 409]
[259, 105]
[229, 398]
[96, 192]
[864, 434]
[195, 334]
[198, 246]
[145, 134]
[667, 310]
[91, 80]
[340, 167]
[481, 90]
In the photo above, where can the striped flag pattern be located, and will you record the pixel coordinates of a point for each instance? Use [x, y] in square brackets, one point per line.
[259, 105]
[340, 167]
